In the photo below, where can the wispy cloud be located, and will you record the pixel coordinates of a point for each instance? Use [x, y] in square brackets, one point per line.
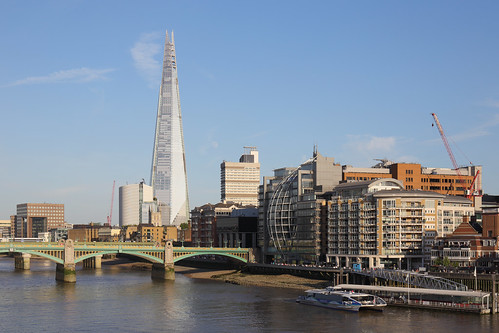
[62, 191]
[371, 144]
[493, 103]
[209, 143]
[208, 146]
[144, 54]
[207, 74]
[71, 75]
[366, 147]
[384, 144]
[483, 129]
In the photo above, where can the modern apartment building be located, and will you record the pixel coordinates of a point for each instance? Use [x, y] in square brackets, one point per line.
[32, 218]
[451, 212]
[168, 171]
[416, 177]
[376, 222]
[289, 222]
[240, 180]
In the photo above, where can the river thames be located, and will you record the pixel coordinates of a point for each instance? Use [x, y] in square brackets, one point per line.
[121, 301]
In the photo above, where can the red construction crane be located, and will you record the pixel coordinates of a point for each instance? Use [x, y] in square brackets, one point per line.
[110, 216]
[469, 193]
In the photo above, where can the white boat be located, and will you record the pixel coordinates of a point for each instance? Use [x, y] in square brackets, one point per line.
[342, 300]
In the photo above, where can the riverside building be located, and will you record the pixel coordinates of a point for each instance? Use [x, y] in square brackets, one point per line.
[239, 181]
[379, 223]
[168, 171]
[289, 220]
[204, 222]
[471, 244]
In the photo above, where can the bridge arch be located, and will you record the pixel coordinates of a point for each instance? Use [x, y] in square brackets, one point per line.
[185, 256]
[132, 253]
[36, 253]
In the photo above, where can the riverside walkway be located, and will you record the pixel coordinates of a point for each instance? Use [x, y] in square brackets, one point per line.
[66, 254]
[413, 279]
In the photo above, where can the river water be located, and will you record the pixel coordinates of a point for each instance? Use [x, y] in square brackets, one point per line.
[121, 301]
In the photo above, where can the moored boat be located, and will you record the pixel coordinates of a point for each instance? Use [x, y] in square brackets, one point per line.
[342, 300]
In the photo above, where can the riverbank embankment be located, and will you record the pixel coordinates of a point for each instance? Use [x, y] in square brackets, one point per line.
[225, 275]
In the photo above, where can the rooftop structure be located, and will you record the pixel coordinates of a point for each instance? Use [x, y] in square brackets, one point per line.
[416, 177]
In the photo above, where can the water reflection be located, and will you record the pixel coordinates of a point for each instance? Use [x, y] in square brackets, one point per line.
[111, 300]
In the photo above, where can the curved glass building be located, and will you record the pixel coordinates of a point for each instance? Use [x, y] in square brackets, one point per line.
[290, 209]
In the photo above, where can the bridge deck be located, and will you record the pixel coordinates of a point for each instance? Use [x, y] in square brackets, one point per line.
[150, 251]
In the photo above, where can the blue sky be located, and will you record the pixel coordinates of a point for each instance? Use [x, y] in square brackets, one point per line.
[79, 83]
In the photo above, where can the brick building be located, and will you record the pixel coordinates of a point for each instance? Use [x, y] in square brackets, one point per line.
[32, 218]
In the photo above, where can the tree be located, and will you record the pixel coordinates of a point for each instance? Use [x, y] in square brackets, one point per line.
[446, 262]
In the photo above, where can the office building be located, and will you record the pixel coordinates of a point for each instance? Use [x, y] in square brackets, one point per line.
[289, 222]
[204, 222]
[168, 171]
[240, 180]
[239, 229]
[58, 234]
[5, 228]
[32, 218]
[85, 232]
[415, 177]
[136, 204]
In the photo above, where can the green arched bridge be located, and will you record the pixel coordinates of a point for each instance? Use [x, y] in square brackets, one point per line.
[67, 254]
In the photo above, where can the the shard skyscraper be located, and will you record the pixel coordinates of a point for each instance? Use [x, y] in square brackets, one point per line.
[168, 172]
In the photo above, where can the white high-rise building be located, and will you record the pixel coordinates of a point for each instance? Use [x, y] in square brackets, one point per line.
[240, 180]
[168, 172]
[136, 203]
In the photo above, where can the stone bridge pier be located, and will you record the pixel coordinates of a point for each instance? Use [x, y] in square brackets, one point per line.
[165, 271]
[94, 262]
[66, 272]
[22, 261]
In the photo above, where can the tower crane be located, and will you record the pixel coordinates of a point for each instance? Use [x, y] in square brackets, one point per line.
[468, 193]
[110, 216]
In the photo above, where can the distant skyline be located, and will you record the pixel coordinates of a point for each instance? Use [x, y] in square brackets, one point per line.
[79, 85]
